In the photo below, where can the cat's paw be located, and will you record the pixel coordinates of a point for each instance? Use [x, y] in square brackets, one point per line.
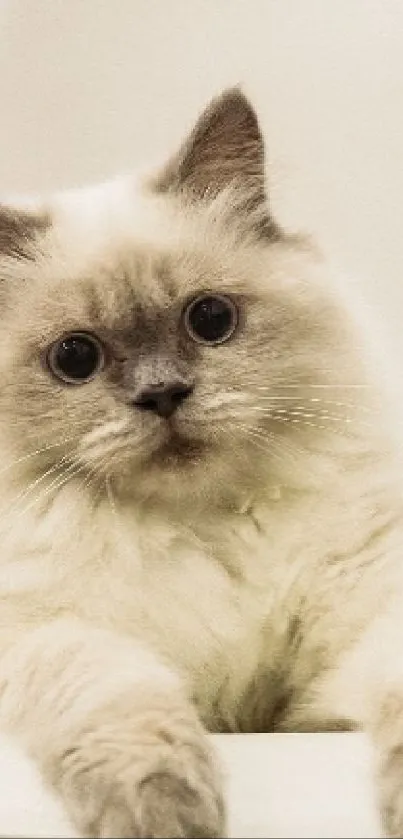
[167, 805]
[156, 780]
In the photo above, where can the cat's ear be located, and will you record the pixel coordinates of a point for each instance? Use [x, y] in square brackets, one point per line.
[20, 229]
[224, 149]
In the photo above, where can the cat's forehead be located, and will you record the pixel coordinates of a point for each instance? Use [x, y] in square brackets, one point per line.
[138, 281]
[114, 255]
[120, 238]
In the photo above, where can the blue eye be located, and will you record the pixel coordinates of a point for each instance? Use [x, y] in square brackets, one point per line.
[76, 358]
[211, 319]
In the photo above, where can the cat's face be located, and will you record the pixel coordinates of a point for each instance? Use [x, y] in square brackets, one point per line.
[158, 336]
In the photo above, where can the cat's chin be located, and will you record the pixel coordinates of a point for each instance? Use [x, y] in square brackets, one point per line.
[177, 469]
[178, 452]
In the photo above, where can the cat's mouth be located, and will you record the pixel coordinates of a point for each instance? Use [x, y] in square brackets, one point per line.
[177, 450]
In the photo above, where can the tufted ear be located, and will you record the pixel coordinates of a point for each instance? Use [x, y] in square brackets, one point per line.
[19, 230]
[224, 149]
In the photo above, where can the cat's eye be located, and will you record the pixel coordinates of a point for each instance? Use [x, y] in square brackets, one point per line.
[76, 358]
[211, 319]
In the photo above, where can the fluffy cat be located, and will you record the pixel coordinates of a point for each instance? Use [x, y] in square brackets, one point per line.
[201, 496]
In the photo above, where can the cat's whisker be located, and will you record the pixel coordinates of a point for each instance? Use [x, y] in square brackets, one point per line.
[121, 443]
[296, 414]
[109, 448]
[299, 385]
[34, 484]
[300, 415]
[268, 442]
[109, 493]
[292, 416]
[87, 483]
[315, 408]
[59, 481]
[219, 400]
[324, 386]
[314, 400]
[113, 457]
[299, 423]
[271, 450]
[35, 453]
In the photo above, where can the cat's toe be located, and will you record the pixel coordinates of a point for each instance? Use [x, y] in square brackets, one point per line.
[162, 805]
[170, 806]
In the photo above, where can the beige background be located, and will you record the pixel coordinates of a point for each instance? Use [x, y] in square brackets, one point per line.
[89, 87]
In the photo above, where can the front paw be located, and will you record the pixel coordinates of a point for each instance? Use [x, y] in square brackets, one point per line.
[154, 777]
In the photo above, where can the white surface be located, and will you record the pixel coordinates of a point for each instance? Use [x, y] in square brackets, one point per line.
[300, 785]
[26, 808]
[281, 785]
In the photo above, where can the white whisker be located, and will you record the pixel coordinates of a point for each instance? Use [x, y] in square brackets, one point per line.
[35, 453]
[34, 484]
[304, 386]
[55, 485]
[271, 445]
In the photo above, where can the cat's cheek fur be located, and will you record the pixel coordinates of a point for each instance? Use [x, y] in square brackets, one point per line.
[113, 733]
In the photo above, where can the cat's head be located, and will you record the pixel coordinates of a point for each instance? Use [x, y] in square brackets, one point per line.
[162, 333]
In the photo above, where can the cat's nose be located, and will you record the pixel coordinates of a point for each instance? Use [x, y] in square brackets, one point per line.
[163, 399]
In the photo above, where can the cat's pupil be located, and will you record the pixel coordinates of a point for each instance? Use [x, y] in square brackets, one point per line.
[77, 357]
[212, 319]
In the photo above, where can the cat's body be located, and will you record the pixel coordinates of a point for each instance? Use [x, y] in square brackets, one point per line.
[241, 549]
[231, 599]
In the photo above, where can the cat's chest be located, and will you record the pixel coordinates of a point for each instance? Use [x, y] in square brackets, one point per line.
[199, 598]
[191, 595]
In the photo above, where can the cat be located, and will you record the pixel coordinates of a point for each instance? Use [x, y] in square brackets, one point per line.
[201, 493]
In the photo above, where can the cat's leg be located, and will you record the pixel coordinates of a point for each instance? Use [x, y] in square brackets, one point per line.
[112, 732]
[367, 688]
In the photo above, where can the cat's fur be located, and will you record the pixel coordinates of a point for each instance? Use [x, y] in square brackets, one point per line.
[248, 580]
